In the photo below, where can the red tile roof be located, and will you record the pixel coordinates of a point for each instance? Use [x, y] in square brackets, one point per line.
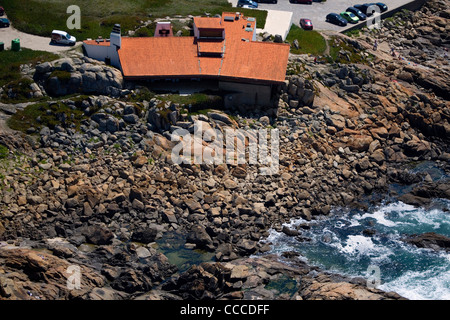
[162, 56]
[98, 43]
[208, 23]
[210, 46]
[178, 56]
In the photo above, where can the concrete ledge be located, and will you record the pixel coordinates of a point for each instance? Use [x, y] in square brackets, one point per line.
[413, 5]
[277, 22]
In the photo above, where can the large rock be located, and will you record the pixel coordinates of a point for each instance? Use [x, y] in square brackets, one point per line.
[200, 238]
[145, 235]
[97, 234]
[359, 142]
[323, 287]
[204, 281]
[417, 147]
[27, 274]
[430, 240]
[65, 76]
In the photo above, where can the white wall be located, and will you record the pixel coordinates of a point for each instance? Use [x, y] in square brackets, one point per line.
[102, 52]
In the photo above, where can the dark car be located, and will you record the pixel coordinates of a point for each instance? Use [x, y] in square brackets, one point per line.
[357, 13]
[4, 23]
[364, 8]
[382, 6]
[266, 1]
[250, 3]
[334, 18]
[306, 24]
[301, 1]
[2, 11]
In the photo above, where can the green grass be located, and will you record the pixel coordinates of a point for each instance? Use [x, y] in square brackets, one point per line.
[10, 62]
[310, 41]
[353, 33]
[49, 115]
[200, 103]
[354, 55]
[12, 79]
[3, 151]
[40, 17]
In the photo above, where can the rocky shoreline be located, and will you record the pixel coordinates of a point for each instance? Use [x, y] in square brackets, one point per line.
[98, 189]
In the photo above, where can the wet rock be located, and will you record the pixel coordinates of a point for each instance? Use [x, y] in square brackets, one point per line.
[200, 238]
[203, 282]
[97, 234]
[323, 287]
[290, 232]
[430, 240]
[131, 281]
[144, 235]
[27, 274]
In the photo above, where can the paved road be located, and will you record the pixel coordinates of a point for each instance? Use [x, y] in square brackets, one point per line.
[29, 41]
[318, 10]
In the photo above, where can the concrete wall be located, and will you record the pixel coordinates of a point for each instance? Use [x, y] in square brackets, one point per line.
[413, 5]
[243, 93]
[102, 52]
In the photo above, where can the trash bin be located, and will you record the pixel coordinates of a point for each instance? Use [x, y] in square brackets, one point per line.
[15, 45]
[2, 46]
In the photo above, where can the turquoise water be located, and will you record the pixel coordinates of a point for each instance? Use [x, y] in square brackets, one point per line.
[339, 244]
[173, 246]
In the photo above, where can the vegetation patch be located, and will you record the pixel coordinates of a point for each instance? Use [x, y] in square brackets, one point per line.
[342, 51]
[40, 17]
[46, 114]
[197, 103]
[16, 86]
[17, 91]
[4, 151]
[63, 76]
[10, 62]
[310, 41]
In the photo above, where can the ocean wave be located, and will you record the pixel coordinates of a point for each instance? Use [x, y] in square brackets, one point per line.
[432, 284]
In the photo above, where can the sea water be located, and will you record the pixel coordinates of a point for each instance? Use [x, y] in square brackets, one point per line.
[352, 242]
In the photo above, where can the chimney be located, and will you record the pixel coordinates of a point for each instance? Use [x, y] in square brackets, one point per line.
[115, 37]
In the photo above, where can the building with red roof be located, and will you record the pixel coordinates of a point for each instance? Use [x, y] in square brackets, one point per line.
[223, 49]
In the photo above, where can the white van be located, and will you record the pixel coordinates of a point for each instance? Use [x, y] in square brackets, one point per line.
[62, 37]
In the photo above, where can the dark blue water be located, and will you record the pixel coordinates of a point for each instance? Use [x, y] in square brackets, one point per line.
[339, 244]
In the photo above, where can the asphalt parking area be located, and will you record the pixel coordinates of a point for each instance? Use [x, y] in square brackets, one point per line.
[317, 11]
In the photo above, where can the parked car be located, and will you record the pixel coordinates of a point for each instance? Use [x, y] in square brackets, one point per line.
[350, 17]
[2, 11]
[250, 3]
[364, 8]
[357, 13]
[62, 37]
[382, 6]
[4, 23]
[334, 18]
[266, 1]
[301, 1]
[306, 24]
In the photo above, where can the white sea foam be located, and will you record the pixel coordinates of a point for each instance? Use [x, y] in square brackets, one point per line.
[358, 245]
[434, 218]
[386, 248]
[381, 214]
[432, 284]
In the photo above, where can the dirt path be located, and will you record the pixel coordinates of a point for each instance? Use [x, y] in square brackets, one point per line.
[30, 41]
